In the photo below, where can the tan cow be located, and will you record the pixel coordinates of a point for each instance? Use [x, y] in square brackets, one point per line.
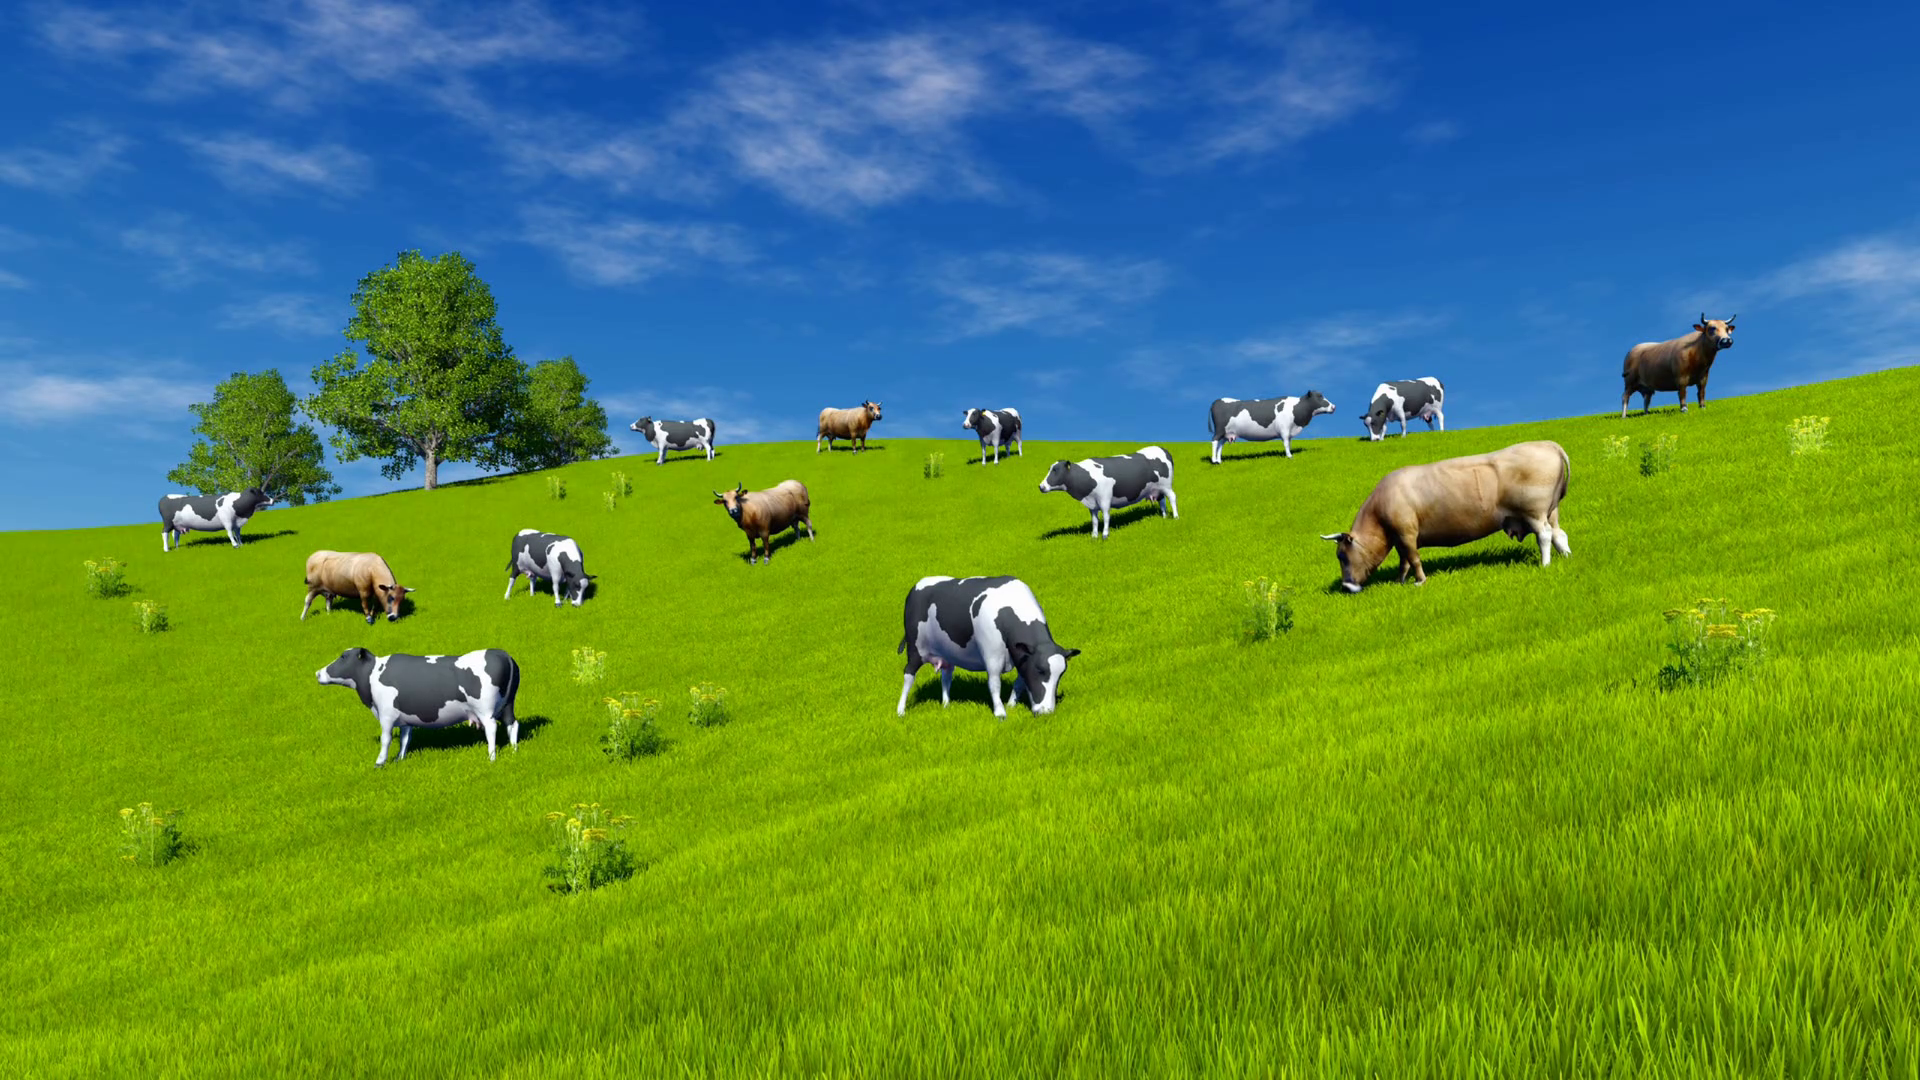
[1675, 365]
[849, 424]
[353, 573]
[760, 514]
[1457, 501]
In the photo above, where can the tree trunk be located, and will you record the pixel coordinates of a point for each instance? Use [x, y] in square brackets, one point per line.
[433, 468]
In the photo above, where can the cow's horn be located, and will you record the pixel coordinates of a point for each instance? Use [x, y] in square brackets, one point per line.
[1703, 318]
[1330, 536]
[1730, 319]
[717, 495]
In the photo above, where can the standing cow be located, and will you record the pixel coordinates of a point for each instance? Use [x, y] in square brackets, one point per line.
[760, 514]
[1421, 397]
[431, 691]
[849, 424]
[359, 574]
[1106, 482]
[996, 428]
[1675, 365]
[665, 435]
[990, 624]
[550, 556]
[1457, 501]
[208, 513]
[1282, 418]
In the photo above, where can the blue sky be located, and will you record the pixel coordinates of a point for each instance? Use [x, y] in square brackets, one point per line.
[1106, 215]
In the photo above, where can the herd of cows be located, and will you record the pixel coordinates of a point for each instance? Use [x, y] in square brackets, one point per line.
[986, 624]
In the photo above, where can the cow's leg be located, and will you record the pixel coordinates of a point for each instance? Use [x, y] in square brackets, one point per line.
[1106, 521]
[1559, 534]
[1403, 425]
[166, 539]
[406, 739]
[512, 579]
[1700, 393]
[946, 685]
[1626, 396]
[552, 579]
[663, 455]
[366, 606]
[1096, 523]
[233, 532]
[1217, 444]
[1286, 444]
[308, 606]
[1683, 397]
[808, 522]
[1543, 531]
[906, 687]
[1439, 418]
[493, 731]
[1173, 504]
[1410, 562]
[386, 740]
[994, 671]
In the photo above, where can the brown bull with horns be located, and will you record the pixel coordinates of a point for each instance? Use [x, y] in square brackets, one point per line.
[1675, 365]
[760, 514]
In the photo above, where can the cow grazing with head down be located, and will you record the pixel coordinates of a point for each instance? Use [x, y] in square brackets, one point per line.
[996, 428]
[1422, 397]
[180, 514]
[1457, 501]
[990, 624]
[1102, 483]
[1282, 418]
[849, 424]
[760, 514]
[665, 435]
[353, 573]
[431, 691]
[1675, 365]
[551, 557]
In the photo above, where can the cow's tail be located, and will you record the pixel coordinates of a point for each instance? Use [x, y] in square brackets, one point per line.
[513, 677]
[1566, 470]
[903, 645]
[1212, 428]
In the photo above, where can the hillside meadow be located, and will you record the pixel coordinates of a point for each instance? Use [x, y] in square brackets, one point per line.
[1449, 830]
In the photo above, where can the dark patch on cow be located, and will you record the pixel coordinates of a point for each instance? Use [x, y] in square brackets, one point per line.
[953, 604]
[1070, 477]
[356, 666]
[422, 684]
[1305, 408]
[1131, 474]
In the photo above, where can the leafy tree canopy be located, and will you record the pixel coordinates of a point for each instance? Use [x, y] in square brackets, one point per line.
[248, 438]
[559, 424]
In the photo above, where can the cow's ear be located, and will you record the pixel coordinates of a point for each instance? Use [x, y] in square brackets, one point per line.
[362, 654]
[1071, 653]
[1700, 328]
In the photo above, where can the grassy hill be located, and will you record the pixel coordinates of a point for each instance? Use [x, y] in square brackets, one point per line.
[1451, 829]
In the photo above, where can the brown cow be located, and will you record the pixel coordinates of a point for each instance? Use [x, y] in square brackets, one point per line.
[1675, 365]
[1457, 501]
[353, 573]
[849, 424]
[760, 514]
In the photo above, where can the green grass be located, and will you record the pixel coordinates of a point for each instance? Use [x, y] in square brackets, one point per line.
[1449, 830]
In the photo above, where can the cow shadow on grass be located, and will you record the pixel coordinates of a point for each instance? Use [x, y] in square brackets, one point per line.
[1227, 459]
[1121, 519]
[350, 605]
[1521, 553]
[675, 457]
[784, 539]
[245, 538]
[543, 587]
[463, 736]
[850, 450]
[969, 688]
[1005, 459]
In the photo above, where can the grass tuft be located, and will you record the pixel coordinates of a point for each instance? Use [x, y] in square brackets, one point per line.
[707, 705]
[106, 578]
[556, 488]
[631, 730]
[1807, 435]
[148, 837]
[589, 665]
[934, 467]
[1268, 611]
[1657, 456]
[587, 850]
[152, 616]
[1713, 640]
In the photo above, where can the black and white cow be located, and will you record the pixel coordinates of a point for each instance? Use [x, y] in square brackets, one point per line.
[1399, 400]
[549, 556]
[1281, 418]
[667, 435]
[180, 514]
[431, 691]
[1106, 482]
[996, 428]
[990, 624]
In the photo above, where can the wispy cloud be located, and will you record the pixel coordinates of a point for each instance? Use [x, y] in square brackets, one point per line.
[619, 250]
[289, 314]
[187, 252]
[1319, 76]
[1310, 348]
[11, 280]
[256, 164]
[86, 150]
[1880, 274]
[1434, 133]
[1046, 292]
[49, 392]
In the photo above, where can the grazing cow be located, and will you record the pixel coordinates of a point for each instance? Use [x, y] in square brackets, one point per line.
[1457, 501]
[1421, 397]
[667, 435]
[996, 428]
[353, 573]
[551, 556]
[208, 513]
[849, 424]
[431, 691]
[1281, 418]
[1675, 365]
[989, 624]
[760, 514]
[1106, 482]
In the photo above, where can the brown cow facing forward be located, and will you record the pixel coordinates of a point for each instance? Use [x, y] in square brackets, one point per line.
[353, 573]
[849, 424]
[1675, 365]
[1457, 501]
[760, 514]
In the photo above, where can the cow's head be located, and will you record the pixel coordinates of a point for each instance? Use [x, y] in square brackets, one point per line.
[1358, 559]
[1316, 404]
[1718, 332]
[1056, 476]
[1041, 668]
[390, 597]
[732, 500]
[873, 410]
[353, 668]
[644, 426]
[573, 583]
[251, 500]
[968, 420]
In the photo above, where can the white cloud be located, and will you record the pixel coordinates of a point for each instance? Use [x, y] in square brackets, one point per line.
[11, 280]
[256, 164]
[619, 250]
[1321, 77]
[90, 150]
[290, 314]
[186, 252]
[1307, 349]
[1881, 275]
[30, 393]
[1045, 292]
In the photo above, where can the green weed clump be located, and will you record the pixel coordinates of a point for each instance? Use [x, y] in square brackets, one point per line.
[1657, 457]
[153, 616]
[622, 485]
[589, 665]
[1269, 612]
[1615, 447]
[148, 838]
[631, 732]
[556, 488]
[707, 706]
[106, 578]
[934, 467]
[587, 853]
[1712, 640]
[1807, 435]
[609, 499]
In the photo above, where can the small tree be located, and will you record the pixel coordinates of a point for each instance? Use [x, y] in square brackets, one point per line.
[439, 382]
[558, 423]
[248, 438]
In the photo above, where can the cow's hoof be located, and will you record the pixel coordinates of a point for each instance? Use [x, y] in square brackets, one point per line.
[369, 620]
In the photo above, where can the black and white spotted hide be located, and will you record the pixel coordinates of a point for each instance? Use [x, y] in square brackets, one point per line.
[181, 514]
[989, 624]
[548, 557]
[1282, 418]
[665, 435]
[1392, 401]
[431, 691]
[996, 428]
[1103, 483]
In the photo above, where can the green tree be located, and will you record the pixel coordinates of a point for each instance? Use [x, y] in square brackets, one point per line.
[438, 383]
[248, 438]
[558, 423]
